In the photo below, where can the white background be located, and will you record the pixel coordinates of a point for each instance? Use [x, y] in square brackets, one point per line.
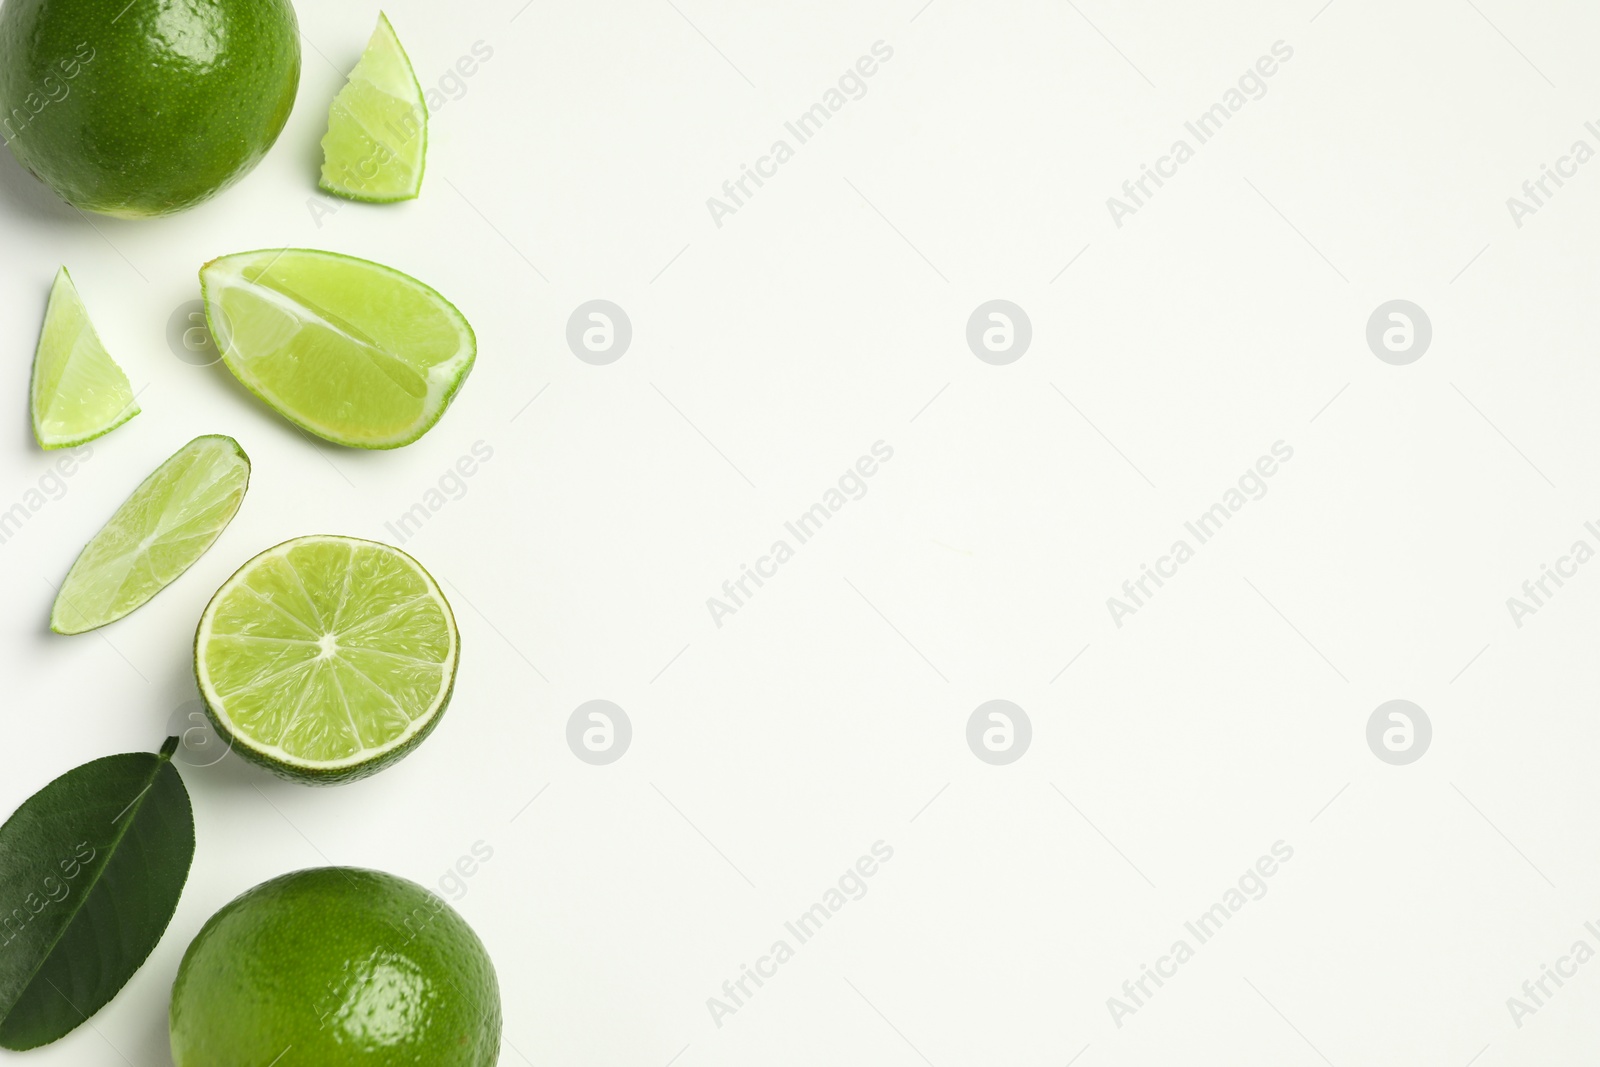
[829, 713]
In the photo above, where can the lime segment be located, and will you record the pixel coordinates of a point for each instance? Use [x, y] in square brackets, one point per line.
[78, 392]
[159, 532]
[353, 351]
[377, 140]
[327, 658]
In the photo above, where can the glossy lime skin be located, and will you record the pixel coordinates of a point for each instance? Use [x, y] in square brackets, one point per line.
[145, 108]
[344, 966]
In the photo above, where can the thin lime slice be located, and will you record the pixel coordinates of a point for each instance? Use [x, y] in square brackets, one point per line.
[351, 350]
[327, 659]
[377, 140]
[159, 532]
[78, 393]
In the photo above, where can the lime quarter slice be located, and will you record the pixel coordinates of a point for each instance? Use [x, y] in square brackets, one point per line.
[159, 532]
[377, 140]
[78, 392]
[326, 659]
[353, 351]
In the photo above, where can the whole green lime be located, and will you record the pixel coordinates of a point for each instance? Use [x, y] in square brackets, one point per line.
[145, 107]
[336, 966]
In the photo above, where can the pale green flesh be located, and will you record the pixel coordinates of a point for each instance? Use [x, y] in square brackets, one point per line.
[78, 391]
[353, 351]
[159, 532]
[377, 138]
[327, 652]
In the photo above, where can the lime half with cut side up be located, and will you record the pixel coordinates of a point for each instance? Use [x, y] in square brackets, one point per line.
[353, 351]
[168, 523]
[377, 140]
[327, 659]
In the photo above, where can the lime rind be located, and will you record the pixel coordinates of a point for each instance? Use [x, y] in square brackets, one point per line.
[376, 147]
[432, 388]
[170, 521]
[282, 663]
[143, 109]
[342, 966]
[77, 392]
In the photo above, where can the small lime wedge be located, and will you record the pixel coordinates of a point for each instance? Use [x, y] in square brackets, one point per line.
[353, 351]
[377, 140]
[78, 392]
[326, 659]
[159, 532]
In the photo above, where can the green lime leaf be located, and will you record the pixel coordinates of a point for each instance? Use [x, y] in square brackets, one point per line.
[91, 868]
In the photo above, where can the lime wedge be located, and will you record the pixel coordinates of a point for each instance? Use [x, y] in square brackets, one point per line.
[377, 139]
[353, 351]
[327, 659]
[78, 393]
[159, 532]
